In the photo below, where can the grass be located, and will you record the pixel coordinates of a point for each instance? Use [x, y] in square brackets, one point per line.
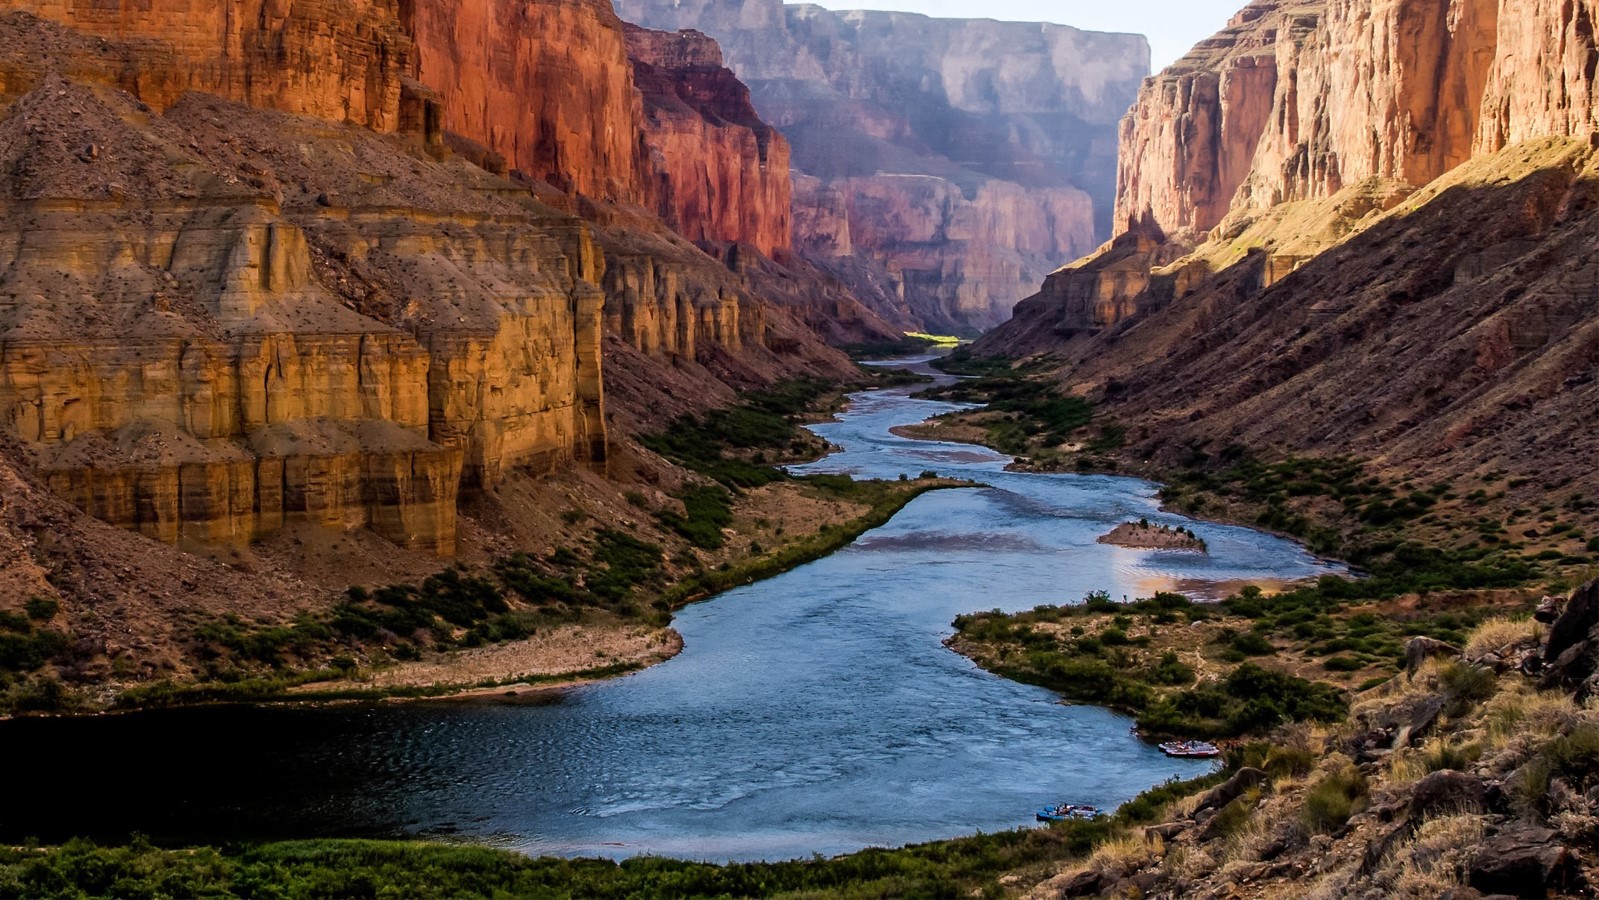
[1333, 799]
[359, 868]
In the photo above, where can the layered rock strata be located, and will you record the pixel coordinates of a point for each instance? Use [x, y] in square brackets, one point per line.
[338, 60]
[220, 320]
[963, 158]
[1402, 268]
[718, 173]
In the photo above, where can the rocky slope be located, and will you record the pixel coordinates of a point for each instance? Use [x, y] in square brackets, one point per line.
[1471, 775]
[1363, 264]
[259, 301]
[964, 158]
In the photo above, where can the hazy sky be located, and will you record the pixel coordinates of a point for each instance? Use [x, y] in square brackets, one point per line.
[1171, 25]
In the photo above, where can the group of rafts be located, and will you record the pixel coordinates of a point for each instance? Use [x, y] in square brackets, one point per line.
[1181, 749]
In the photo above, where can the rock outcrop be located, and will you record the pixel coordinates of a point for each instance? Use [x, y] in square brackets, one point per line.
[1298, 99]
[545, 85]
[1391, 258]
[964, 158]
[219, 320]
[338, 60]
[718, 173]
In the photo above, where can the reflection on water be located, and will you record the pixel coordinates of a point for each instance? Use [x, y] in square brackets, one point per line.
[816, 712]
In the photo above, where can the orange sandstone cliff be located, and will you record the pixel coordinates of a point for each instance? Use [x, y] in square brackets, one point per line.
[248, 287]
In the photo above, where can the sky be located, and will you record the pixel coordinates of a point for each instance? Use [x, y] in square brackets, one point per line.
[1171, 25]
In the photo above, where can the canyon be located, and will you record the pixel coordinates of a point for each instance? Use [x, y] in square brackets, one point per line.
[1352, 227]
[942, 166]
[293, 290]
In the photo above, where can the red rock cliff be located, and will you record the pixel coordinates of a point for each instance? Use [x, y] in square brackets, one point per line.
[545, 83]
[340, 60]
[718, 173]
[1298, 99]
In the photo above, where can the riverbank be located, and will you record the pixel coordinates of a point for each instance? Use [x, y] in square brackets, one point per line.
[586, 591]
[770, 530]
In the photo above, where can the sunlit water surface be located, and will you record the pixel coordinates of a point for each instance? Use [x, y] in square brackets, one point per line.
[816, 712]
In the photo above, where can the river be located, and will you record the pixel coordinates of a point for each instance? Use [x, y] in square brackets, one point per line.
[815, 712]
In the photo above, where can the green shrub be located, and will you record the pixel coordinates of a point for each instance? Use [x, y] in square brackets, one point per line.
[1253, 643]
[41, 609]
[1465, 686]
[1330, 803]
[1285, 762]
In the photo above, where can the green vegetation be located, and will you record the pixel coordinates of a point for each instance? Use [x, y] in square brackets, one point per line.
[350, 868]
[1029, 413]
[1160, 689]
[1335, 618]
[732, 445]
[885, 499]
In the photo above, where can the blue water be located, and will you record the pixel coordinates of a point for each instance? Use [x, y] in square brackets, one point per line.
[816, 712]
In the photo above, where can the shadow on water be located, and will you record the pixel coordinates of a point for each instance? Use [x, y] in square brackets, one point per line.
[815, 712]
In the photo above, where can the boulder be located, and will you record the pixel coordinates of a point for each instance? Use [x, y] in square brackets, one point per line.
[1084, 884]
[1247, 778]
[1526, 862]
[1421, 649]
[1575, 624]
[1447, 791]
[1548, 610]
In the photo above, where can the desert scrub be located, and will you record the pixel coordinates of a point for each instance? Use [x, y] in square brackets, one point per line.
[1333, 799]
[1112, 667]
[730, 445]
[1029, 412]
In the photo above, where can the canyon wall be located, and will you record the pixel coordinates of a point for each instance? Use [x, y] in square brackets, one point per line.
[546, 85]
[718, 173]
[963, 158]
[219, 320]
[1353, 227]
[1298, 99]
[339, 60]
[246, 284]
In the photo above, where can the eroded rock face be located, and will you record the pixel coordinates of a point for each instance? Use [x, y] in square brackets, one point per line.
[218, 320]
[1298, 99]
[547, 85]
[339, 60]
[963, 157]
[718, 173]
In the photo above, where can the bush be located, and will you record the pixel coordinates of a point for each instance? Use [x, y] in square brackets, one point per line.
[706, 511]
[1465, 686]
[41, 609]
[1253, 643]
[1333, 800]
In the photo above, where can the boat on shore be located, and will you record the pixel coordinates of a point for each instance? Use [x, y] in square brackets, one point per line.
[1191, 749]
[1066, 812]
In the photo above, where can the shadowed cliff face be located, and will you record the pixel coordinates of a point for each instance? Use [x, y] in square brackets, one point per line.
[1353, 227]
[963, 158]
[720, 174]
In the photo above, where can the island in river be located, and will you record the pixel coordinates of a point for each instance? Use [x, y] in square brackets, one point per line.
[1146, 535]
